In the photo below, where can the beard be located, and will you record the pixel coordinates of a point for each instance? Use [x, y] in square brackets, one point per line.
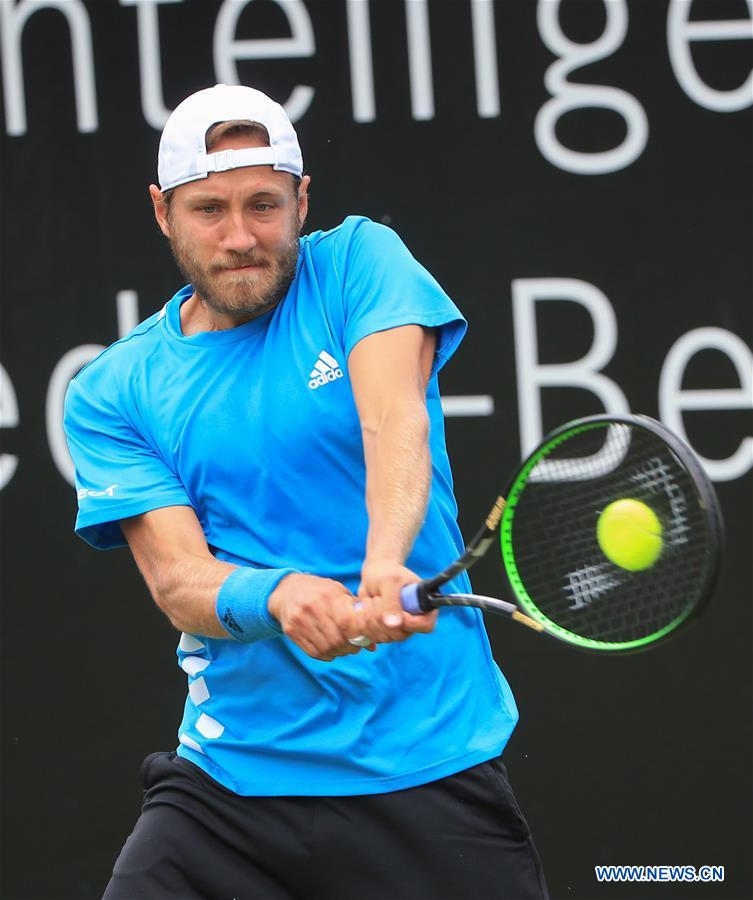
[242, 295]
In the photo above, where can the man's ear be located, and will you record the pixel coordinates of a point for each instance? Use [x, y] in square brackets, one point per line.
[303, 200]
[160, 209]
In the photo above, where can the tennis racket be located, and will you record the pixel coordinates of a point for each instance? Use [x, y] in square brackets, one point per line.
[561, 580]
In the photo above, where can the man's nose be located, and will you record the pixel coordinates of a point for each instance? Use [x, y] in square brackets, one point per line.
[239, 235]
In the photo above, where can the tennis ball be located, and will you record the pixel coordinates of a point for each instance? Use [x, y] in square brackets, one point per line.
[630, 534]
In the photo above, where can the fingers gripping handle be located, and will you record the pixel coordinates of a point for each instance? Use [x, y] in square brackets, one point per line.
[414, 600]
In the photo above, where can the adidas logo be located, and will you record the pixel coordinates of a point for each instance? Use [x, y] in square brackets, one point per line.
[229, 620]
[326, 368]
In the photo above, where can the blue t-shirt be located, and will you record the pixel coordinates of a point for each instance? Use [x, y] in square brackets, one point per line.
[256, 429]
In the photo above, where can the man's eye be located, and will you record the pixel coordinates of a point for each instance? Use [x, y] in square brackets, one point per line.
[264, 207]
[208, 209]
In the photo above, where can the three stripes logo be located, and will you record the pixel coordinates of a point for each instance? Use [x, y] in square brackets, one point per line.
[326, 369]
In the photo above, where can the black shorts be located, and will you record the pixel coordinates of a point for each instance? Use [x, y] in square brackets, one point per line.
[459, 838]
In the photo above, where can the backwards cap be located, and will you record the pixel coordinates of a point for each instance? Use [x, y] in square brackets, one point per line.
[182, 148]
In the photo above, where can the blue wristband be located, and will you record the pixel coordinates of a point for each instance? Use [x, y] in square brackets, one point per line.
[242, 603]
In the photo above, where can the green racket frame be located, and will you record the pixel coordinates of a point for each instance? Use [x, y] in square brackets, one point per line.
[425, 595]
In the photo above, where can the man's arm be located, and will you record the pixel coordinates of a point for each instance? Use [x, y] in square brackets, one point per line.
[184, 579]
[389, 371]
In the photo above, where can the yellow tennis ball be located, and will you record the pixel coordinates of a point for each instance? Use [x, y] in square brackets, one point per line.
[630, 534]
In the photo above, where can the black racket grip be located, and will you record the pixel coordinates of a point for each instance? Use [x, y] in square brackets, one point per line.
[415, 599]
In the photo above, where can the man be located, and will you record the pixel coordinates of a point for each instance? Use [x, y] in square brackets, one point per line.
[271, 447]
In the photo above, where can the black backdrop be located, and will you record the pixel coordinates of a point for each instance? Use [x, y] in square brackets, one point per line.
[622, 232]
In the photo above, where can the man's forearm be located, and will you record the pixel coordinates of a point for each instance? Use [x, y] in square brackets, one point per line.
[398, 480]
[206, 596]
[186, 591]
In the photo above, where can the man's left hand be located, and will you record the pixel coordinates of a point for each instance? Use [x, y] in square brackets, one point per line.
[379, 594]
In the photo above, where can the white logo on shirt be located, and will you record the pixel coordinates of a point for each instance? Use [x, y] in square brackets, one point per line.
[326, 369]
[107, 492]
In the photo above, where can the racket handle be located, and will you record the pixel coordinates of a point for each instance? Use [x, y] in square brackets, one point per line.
[415, 599]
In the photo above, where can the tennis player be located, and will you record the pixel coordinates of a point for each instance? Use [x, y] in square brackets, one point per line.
[271, 447]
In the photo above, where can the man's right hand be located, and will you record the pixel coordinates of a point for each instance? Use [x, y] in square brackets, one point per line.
[317, 614]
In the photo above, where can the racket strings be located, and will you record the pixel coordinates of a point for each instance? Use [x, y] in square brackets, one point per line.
[560, 572]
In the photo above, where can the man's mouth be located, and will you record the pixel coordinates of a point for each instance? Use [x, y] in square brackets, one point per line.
[243, 267]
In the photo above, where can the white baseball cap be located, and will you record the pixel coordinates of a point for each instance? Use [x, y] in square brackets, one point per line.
[182, 148]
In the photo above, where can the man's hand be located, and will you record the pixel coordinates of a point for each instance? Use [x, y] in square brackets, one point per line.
[317, 614]
[379, 594]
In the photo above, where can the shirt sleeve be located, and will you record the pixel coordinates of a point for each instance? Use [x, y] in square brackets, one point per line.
[118, 473]
[384, 287]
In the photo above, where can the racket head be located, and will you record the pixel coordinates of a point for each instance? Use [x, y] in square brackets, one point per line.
[557, 572]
